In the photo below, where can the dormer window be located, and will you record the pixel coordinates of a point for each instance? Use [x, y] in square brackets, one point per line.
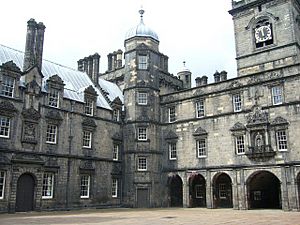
[7, 86]
[89, 106]
[142, 62]
[53, 98]
[116, 114]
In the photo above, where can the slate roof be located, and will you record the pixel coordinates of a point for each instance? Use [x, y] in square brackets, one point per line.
[74, 80]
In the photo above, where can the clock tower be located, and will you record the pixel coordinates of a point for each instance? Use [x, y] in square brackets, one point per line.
[267, 34]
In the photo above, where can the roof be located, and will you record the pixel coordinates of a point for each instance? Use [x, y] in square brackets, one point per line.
[141, 30]
[74, 80]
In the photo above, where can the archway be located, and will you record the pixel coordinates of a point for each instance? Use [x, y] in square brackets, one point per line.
[175, 191]
[222, 191]
[197, 191]
[25, 193]
[264, 191]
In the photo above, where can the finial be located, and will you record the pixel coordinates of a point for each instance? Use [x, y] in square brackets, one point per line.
[184, 63]
[141, 11]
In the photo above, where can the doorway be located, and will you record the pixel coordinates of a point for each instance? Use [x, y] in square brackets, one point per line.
[175, 191]
[143, 198]
[25, 193]
[197, 191]
[222, 191]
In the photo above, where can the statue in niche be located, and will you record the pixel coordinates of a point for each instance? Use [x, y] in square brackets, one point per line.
[258, 141]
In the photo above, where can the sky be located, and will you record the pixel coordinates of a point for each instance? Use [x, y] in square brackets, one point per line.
[199, 32]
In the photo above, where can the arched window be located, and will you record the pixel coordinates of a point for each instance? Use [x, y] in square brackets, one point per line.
[263, 33]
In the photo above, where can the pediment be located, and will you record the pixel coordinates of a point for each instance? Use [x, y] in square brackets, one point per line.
[31, 114]
[171, 135]
[238, 126]
[54, 115]
[56, 79]
[279, 121]
[200, 131]
[89, 122]
[7, 108]
[117, 136]
[235, 84]
[91, 91]
[117, 101]
[10, 65]
[258, 116]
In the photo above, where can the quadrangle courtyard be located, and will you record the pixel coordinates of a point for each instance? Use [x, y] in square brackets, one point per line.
[154, 216]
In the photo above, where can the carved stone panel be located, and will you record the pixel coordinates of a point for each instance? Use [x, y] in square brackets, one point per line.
[29, 134]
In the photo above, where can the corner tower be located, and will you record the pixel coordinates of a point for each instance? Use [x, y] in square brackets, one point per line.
[267, 34]
[142, 154]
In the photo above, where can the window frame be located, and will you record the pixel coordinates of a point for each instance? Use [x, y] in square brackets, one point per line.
[222, 191]
[5, 128]
[54, 98]
[171, 146]
[116, 115]
[8, 88]
[200, 107]
[142, 136]
[114, 188]
[45, 187]
[143, 62]
[277, 98]
[2, 185]
[142, 98]
[197, 187]
[237, 105]
[172, 114]
[142, 166]
[240, 146]
[202, 149]
[89, 107]
[87, 184]
[278, 140]
[85, 139]
[51, 135]
[116, 149]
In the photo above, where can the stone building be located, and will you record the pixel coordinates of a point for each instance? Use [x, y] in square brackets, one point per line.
[138, 136]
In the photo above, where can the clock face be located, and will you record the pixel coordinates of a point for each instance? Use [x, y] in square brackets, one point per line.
[263, 33]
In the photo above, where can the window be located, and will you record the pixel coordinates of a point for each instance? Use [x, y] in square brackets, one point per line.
[172, 151]
[142, 134]
[87, 139]
[142, 98]
[116, 152]
[237, 103]
[116, 115]
[88, 107]
[51, 134]
[53, 98]
[199, 191]
[4, 126]
[48, 183]
[257, 195]
[201, 148]
[200, 108]
[277, 95]
[222, 191]
[240, 144]
[8, 84]
[114, 188]
[142, 164]
[2, 184]
[172, 116]
[85, 186]
[281, 140]
[143, 62]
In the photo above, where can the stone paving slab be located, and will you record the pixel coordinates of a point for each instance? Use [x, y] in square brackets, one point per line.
[178, 216]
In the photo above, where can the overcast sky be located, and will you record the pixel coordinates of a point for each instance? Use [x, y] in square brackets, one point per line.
[196, 31]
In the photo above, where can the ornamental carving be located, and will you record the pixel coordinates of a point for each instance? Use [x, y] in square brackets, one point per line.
[7, 108]
[254, 80]
[200, 131]
[54, 115]
[238, 127]
[10, 65]
[56, 79]
[29, 132]
[89, 122]
[4, 159]
[28, 158]
[279, 121]
[117, 101]
[87, 165]
[258, 116]
[117, 136]
[31, 114]
[171, 135]
[91, 91]
[235, 84]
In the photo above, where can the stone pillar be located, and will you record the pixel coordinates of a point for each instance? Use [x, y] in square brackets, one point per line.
[185, 191]
[39, 43]
[209, 191]
[29, 56]
[235, 193]
[284, 189]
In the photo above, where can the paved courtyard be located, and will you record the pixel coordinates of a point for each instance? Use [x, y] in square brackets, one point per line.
[154, 216]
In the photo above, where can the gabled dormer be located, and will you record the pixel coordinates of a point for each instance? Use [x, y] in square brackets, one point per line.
[55, 91]
[10, 75]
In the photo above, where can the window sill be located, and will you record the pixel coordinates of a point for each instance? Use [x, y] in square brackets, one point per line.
[84, 197]
[51, 143]
[202, 157]
[47, 198]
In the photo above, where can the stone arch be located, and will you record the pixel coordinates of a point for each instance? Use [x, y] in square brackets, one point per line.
[263, 190]
[25, 195]
[197, 188]
[175, 187]
[222, 191]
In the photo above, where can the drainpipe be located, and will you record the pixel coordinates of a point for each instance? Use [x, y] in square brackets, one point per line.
[70, 152]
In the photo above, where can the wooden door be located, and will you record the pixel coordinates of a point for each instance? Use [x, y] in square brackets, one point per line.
[25, 193]
[143, 198]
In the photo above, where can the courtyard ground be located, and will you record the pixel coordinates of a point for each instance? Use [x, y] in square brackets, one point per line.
[191, 216]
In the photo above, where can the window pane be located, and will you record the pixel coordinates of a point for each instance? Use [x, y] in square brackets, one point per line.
[87, 139]
[201, 147]
[114, 188]
[142, 134]
[240, 144]
[4, 126]
[281, 140]
[172, 116]
[143, 62]
[8, 84]
[237, 103]
[116, 152]
[142, 163]
[84, 186]
[200, 108]
[53, 98]
[277, 97]
[88, 107]
[51, 134]
[48, 183]
[142, 98]
[172, 151]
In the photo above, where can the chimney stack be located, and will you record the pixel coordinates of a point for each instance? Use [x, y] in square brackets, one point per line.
[200, 81]
[217, 77]
[223, 75]
[119, 58]
[34, 45]
[96, 66]
[90, 65]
